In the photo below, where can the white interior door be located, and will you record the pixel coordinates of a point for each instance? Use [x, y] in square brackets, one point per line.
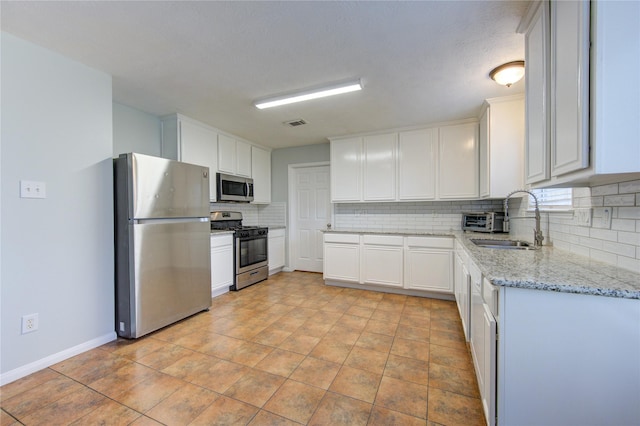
[309, 198]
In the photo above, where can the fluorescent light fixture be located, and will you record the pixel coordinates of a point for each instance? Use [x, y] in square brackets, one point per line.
[306, 95]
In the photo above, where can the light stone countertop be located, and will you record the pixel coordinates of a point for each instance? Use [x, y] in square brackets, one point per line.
[222, 231]
[547, 268]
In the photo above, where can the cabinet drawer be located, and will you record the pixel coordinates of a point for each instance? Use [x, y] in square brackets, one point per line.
[383, 240]
[276, 232]
[342, 238]
[433, 242]
[221, 240]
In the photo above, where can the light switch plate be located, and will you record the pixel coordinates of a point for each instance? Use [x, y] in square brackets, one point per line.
[33, 189]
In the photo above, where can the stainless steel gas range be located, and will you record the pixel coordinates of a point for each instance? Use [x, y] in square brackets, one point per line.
[250, 244]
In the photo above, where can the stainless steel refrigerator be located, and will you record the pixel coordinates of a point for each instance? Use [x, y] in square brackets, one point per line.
[162, 241]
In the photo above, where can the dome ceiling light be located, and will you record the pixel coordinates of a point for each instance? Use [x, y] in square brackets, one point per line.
[509, 73]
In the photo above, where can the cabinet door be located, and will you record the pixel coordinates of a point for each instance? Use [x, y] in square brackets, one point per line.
[461, 290]
[342, 262]
[569, 86]
[458, 158]
[502, 134]
[537, 96]
[429, 269]
[199, 146]
[417, 156]
[261, 173]
[346, 170]
[221, 263]
[382, 265]
[226, 154]
[483, 146]
[380, 167]
[276, 249]
[243, 159]
[488, 365]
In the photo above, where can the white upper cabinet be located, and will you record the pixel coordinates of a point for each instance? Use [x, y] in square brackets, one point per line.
[458, 161]
[261, 172]
[537, 96]
[190, 142]
[405, 166]
[417, 157]
[501, 146]
[569, 86]
[234, 156]
[346, 170]
[582, 93]
[615, 98]
[243, 158]
[379, 155]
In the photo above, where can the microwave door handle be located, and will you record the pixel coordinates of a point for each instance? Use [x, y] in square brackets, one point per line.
[246, 189]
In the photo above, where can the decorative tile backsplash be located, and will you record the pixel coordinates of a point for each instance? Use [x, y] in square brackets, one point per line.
[613, 234]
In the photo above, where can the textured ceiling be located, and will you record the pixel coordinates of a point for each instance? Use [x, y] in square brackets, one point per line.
[420, 62]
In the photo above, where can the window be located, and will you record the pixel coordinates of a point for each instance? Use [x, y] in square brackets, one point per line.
[552, 199]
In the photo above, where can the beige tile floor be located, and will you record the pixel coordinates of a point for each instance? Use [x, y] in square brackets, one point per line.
[286, 351]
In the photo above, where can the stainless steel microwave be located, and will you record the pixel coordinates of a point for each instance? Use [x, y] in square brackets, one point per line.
[236, 189]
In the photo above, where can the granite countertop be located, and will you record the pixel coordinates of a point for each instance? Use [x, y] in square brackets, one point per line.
[546, 268]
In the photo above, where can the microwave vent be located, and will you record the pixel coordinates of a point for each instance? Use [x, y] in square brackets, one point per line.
[295, 123]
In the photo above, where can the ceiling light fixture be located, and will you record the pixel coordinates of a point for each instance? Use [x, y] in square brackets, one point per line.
[306, 95]
[509, 73]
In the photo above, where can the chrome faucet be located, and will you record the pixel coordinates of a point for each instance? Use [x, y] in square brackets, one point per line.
[537, 233]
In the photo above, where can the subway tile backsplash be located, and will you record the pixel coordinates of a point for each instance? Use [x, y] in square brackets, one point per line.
[431, 216]
[615, 241]
[274, 214]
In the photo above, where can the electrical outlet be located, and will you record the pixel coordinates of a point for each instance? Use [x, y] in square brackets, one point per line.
[32, 189]
[29, 323]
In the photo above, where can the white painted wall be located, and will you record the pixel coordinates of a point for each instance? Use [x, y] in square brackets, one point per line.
[56, 253]
[135, 131]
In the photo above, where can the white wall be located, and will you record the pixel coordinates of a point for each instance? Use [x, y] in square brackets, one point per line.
[135, 131]
[280, 160]
[56, 253]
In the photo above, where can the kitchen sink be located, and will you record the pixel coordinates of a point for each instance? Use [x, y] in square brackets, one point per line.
[503, 244]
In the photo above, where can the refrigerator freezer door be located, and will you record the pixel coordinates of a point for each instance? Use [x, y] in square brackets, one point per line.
[169, 278]
[162, 188]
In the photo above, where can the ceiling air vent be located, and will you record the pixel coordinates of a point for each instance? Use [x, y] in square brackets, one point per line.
[295, 123]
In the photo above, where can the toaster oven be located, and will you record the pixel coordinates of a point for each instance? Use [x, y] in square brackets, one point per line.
[483, 221]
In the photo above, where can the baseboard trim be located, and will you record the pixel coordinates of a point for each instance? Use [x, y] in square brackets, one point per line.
[48, 361]
[215, 292]
[394, 290]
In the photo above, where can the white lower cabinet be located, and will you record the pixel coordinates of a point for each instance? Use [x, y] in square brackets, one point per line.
[276, 250]
[412, 265]
[429, 264]
[482, 343]
[222, 272]
[342, 257]
[382, 260]
[462, 282]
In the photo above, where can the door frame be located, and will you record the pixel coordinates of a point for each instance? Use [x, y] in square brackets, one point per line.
[291, 210]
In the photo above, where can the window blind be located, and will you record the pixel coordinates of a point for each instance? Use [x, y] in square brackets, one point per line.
[552, 199]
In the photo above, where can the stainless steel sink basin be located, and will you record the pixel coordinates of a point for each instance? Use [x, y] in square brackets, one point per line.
[503, 244]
